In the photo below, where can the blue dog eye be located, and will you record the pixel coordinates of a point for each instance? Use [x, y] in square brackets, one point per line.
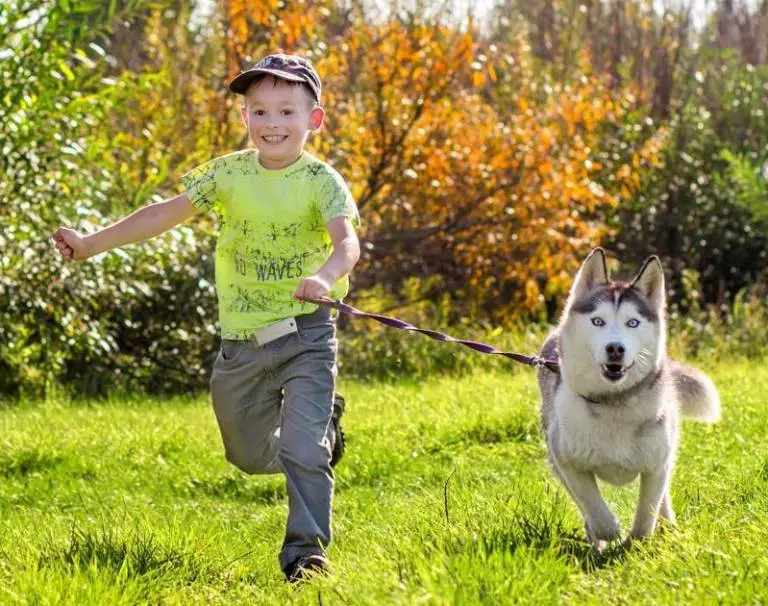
[633, 323]
[598, 321]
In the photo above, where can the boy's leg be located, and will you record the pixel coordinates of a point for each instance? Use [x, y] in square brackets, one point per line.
[246, 398]
[308, 376]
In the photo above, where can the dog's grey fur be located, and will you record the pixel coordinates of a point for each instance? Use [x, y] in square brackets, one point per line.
[613, 411]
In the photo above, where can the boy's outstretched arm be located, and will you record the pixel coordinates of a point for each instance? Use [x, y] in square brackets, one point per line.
[346, 252]
[145, 223]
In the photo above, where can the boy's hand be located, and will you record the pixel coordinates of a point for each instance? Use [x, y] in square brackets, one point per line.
[312, 287]
[70, 244]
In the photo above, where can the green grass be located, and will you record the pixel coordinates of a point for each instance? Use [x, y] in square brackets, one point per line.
[444, 497]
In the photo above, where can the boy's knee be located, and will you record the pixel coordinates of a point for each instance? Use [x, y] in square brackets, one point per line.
[251, 463]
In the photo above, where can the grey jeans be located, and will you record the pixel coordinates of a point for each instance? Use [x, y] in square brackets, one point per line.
[273, 405]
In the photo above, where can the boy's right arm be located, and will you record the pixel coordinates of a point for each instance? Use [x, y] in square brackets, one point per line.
[145, 223]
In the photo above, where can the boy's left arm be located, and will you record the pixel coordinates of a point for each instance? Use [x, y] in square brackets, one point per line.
[346, 252]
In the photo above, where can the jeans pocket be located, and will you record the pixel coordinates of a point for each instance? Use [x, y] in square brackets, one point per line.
[231, 349]
[316, 334]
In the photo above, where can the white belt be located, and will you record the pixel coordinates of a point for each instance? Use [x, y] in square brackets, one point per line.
[273, 331]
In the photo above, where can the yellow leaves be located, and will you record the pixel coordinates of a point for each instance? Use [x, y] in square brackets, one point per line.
[238, 13]
[624, 172]
[625, 192]
[258, 27]
[435, 131]
[64, 68]
[492, 73]
[239, 27]
[546, 167]
[533, 296]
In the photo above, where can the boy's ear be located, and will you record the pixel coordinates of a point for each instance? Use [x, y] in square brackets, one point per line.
[244, 113]
[316, 118]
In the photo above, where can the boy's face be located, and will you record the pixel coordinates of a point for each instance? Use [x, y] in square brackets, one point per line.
[279, 116]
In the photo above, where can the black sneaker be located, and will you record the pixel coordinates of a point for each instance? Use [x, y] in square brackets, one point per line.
[305, 567]
[339, 443]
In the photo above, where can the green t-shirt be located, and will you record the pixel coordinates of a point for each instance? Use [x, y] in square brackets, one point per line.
[272, 233]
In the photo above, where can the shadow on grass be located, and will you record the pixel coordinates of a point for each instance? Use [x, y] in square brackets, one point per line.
[237, 487]
[542, 529]
[515, 430]
[396, 462]
[135, 555]
[27, 462]
[762, 474]
[577, 549]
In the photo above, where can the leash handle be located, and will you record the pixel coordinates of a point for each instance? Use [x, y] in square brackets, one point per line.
[551, 365]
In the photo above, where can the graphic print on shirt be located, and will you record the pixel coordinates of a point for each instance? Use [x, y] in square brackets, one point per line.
[204, 190]
[272, 233]
[201, 182]
[248, 300]
[265, 266]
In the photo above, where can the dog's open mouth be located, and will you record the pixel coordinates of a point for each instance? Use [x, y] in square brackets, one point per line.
[615, 372]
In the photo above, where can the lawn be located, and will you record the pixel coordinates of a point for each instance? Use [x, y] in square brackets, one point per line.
[444, 497]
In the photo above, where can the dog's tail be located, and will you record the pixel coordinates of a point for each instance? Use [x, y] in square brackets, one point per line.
[697, 394]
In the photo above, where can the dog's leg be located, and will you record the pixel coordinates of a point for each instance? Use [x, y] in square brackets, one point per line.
[653, 501]
[600, 523]
[666, 513]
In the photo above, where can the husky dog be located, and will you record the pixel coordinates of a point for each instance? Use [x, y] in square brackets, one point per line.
[614, 410]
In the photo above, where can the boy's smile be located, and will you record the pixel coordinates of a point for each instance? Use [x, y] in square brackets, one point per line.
[279, 116]
[273, 139]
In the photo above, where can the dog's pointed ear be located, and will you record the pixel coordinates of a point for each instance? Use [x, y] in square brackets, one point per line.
[650, 281]
[593, 271]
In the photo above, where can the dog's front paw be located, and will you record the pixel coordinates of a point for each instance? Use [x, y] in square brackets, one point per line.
[643, 527]
[640, 533]
[605, 529]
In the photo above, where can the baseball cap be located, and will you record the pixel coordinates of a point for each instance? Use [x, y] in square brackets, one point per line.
[286, 67]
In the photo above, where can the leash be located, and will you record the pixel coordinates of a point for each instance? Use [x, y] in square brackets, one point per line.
[551, 365]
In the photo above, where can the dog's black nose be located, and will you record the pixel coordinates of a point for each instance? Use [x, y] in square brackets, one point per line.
[615, 351]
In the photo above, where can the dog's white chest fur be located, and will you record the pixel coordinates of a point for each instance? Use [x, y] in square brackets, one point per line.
[611, 347]
[615, 441]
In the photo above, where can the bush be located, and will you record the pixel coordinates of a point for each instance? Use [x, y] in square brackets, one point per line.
[492, 187]
[136, 319]
[371, 351]
[692, 211]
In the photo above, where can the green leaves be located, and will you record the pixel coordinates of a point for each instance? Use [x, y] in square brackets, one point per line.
[66, 322]
[485, 163]
[749, 175]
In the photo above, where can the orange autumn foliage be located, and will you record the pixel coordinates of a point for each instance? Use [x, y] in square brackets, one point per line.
[467, 175]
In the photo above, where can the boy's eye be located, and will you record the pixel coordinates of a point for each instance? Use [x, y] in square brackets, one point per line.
[598, 321]
[287, 112]
[259, 112]
[633, 323]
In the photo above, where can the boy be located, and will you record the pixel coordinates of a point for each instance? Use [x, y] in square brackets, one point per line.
[286, 232]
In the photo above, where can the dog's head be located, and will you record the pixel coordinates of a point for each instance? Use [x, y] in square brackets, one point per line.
[612, 334]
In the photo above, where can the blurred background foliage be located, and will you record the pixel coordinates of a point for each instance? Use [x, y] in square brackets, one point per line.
[488, 154]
